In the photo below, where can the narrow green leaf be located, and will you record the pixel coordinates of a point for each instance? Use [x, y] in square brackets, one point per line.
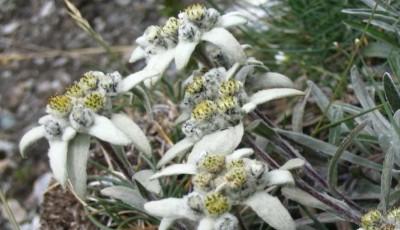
[332, 168]
[391, 92]
[386, 178]
[326, 149]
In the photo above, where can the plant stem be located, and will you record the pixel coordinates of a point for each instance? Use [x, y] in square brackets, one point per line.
[125, 169]
[293, 153]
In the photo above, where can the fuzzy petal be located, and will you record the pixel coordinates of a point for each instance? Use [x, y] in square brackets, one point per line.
[232, 19]
[166, 223]
[78, 154]
[170, 208]
[68, 133]
[269, 80]
[133, 79]
[183, 52]
[278, 177]
[30, 137]
[266, 95]
[179, 149]
[105, 130]
[159, 63]
[303, 198]
[132, 131]
[221, 142]
[127, 195]
[137, 54]
[206, 224]
[271, 210]
[176, 169]
[58, 160]
[293, 164]
[143, 176]
[227, 43]
[240, 153]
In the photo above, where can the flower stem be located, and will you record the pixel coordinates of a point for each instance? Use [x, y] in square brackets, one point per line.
[122, 165]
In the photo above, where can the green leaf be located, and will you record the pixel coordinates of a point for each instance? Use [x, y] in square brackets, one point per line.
[391, 92]
[386, 178]
[332, 168]
[326, 149]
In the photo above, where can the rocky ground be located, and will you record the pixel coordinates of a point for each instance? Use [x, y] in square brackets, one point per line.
[42, 51]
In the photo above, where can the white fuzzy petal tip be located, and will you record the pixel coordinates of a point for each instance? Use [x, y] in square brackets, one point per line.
[105, 130]
[175, 169]
[183, 51]
[227, 43]
[30, 137]
[240, 153]
[143, 177]
[58, 160]
[180, 148]
[266, 95]
[293, 164]
[232, 19]
[137, 54]
[271, 210]
[221, 142]
[167, 208]
[133, 79]
[127, 195]
[278, 177]
[133, 132]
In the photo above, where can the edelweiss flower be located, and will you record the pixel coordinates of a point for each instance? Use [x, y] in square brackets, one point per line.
[375, 220]
[215, 102]
[178, 38]
[221, 181]
[84, 109]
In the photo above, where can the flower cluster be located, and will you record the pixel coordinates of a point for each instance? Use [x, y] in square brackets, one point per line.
[178, 38]
[222, 181]
[84, 108]
[375, 220]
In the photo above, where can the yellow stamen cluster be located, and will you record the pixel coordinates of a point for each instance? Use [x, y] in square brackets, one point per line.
[196, 86]
[230, 87]
[202, 180]
[153, 33]
[61, 104]
[235, 163]
[371, 220]
[216, 204]
[94, 101]
[171, 27]
[236, 177]
[212, 163]
[75, 91]
[226, 103]
[204, 110]
[196, 12]
[88, 81]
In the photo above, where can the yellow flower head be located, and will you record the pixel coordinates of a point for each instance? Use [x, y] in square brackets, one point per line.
[371, 220]
[394, 214]
[204, 110]
[202, 180]
[94, 101]
[236, 177]
[61, 104]
[75, 91]
[226, 103]
[196, 12]
[153, 33]
[235, 163]
[88, 81]
[212, 163]
[196, 86]
[171, 27]
[216, 204]
[230, 87]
